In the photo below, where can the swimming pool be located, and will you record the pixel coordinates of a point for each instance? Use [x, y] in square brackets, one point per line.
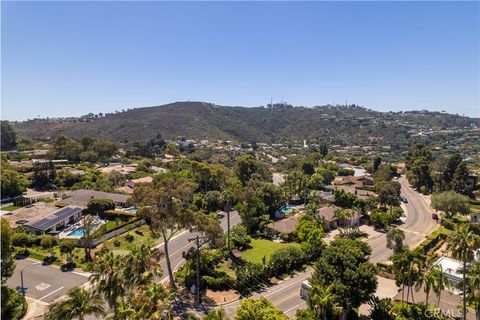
[132, 209]
[77, 233]
[286, 208]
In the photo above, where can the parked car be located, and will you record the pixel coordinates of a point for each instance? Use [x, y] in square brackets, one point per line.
[404, 199]
[304, 289]
[69, 266]
[435, 216]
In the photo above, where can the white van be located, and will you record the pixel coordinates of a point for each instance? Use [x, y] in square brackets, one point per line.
[304, 289]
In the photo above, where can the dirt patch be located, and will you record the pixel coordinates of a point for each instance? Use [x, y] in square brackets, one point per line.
[210, 297]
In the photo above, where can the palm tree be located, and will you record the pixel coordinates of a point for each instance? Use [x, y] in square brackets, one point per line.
[395, 239]
[442, 282]
[473, 287]
[79, 303]
[462, 243]
[320, 301]
[408, 267]
[141, 265]
[433, 279]
[381, 308]
[107, 276]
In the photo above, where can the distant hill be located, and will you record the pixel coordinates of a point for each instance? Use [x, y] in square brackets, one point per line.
[279, 123]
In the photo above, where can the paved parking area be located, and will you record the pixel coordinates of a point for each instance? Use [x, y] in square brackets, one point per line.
[44, 283]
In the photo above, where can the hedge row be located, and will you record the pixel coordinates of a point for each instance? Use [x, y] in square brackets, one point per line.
[116, 214]
[432, 240]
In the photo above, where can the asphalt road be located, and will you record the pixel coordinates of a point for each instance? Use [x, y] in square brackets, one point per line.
[417, 225]
[285, 295]
[44, 283]
[180, 244]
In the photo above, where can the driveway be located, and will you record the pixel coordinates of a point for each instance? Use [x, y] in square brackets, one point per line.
[44, 283]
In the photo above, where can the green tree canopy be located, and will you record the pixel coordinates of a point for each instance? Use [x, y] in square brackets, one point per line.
[344, 265]
[258, 309]
[451, 203]
[8, 136]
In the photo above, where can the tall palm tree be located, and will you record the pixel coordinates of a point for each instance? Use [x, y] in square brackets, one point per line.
[408, 267]
[79, 303]
[441, 283]
[473, 287]
[320, 301]
[434, 280]
[107, 276]
[462, 243]
[141, 265]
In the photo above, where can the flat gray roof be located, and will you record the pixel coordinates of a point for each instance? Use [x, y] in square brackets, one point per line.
[54, 218]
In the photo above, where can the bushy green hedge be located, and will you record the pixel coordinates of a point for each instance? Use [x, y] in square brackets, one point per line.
[116, 214]
[220, 281]
[432, 240]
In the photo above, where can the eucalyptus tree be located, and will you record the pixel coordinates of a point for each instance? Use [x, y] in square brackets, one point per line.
[165, 207]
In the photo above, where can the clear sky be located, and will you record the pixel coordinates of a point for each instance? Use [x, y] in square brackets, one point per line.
[71, 58]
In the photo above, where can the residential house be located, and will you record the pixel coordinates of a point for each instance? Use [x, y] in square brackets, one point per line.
[130, 184]
[82, 197]
[452, 270]
[55, 221]
[286, 225]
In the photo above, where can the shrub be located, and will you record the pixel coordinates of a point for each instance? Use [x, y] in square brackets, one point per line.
[220, 281]
[285, 260]
[48, 241]
[116, 214]
[21, 239]
[14, 305]
[97, 206]
[251, 277]
[239, 237]
[345, 172]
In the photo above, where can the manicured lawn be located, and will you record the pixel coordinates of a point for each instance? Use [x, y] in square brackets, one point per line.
[39, 253]
[263, 248]
[11, 208]
[125, 245]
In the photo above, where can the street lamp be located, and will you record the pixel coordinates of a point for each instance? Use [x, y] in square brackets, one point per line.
[21, 275]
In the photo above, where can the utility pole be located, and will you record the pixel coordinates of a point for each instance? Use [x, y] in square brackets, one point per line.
[197, 294]
[197, 270]
[22, 288]
[228, 226]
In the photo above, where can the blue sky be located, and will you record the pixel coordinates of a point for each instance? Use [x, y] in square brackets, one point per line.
[71, 58]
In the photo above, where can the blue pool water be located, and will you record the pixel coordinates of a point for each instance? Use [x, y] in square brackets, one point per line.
[77, 233]
[285, 208]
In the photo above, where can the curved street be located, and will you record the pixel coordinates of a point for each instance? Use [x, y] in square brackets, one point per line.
[417, 225]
